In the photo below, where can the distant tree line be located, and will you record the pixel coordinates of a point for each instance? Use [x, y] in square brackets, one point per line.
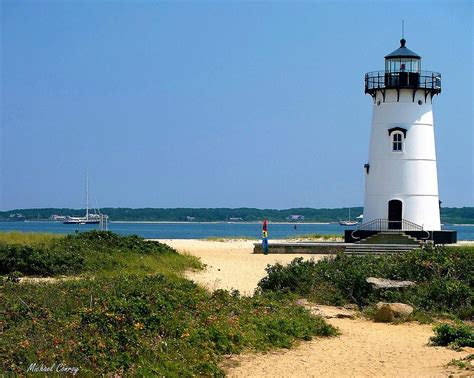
[448, 215]
[457, 215]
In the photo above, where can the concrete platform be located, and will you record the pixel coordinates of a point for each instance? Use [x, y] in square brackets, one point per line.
[298, 248]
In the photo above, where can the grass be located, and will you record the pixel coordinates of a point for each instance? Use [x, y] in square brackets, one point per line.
[27, 238]
[168, 264]
[133, 313]
[297, 237]
[318, 237]
[463, 363]
[229, 238]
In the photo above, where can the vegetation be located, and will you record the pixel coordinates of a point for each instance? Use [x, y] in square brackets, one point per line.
[198, 215]
[463, 363]
[144, 326]
[89, 252]
[228, 238]
[456, 336]
[27, 238]
[443, 275]
[317, 237]
[132, 312]
[457, 215]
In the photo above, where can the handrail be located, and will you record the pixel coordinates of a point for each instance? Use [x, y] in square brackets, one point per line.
[389, 225]
[385, 225]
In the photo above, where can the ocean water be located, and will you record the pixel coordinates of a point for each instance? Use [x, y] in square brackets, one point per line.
[201, 230]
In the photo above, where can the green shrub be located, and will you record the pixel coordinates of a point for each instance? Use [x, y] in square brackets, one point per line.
[457, 335]
[82, 252]
[444, 278]
[39, 260]
[297, 276]
[442, 294]
[431, 262]
[333, 280]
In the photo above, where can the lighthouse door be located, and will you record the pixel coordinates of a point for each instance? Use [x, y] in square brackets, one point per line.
[395, 215]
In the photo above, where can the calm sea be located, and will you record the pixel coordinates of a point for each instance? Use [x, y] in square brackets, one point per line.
[200, 230]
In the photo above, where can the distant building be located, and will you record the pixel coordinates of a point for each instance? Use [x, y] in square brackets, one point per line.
[235, 219]
[190, 219]
[296, 217]
[58, 218]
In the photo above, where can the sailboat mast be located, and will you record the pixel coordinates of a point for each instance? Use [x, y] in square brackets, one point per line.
[87, 197]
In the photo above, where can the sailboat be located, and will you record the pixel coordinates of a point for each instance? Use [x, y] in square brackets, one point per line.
[348, 222]
[93, 218]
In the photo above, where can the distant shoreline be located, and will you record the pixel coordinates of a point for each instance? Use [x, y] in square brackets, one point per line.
[215, 222]
[456, 216]
[220, 222]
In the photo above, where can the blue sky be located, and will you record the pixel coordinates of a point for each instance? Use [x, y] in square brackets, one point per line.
[216, 104]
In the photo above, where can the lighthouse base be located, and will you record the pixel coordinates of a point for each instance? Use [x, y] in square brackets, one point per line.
[437, 237]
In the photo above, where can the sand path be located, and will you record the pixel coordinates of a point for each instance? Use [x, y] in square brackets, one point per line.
[364, 348]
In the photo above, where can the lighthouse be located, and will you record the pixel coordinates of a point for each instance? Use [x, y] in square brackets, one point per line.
[401, 183]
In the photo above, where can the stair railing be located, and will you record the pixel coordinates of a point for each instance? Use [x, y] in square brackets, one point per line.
[385, 225]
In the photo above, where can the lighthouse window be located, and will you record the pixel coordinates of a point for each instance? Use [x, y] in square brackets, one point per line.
[402, 65]
[397, 142]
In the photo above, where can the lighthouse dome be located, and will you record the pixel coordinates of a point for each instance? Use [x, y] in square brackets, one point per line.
[403, 52]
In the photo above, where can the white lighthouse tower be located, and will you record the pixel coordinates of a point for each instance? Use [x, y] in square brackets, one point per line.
[401, 183]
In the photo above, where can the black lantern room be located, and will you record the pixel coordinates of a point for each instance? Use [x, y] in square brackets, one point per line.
[403, 71]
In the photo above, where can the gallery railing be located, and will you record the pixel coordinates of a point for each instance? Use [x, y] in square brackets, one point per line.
[412, 80]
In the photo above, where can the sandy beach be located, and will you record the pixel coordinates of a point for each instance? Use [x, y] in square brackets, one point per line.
[364, 348]
[230, 264]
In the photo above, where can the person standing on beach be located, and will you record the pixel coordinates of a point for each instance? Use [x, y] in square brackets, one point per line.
[265, 237]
